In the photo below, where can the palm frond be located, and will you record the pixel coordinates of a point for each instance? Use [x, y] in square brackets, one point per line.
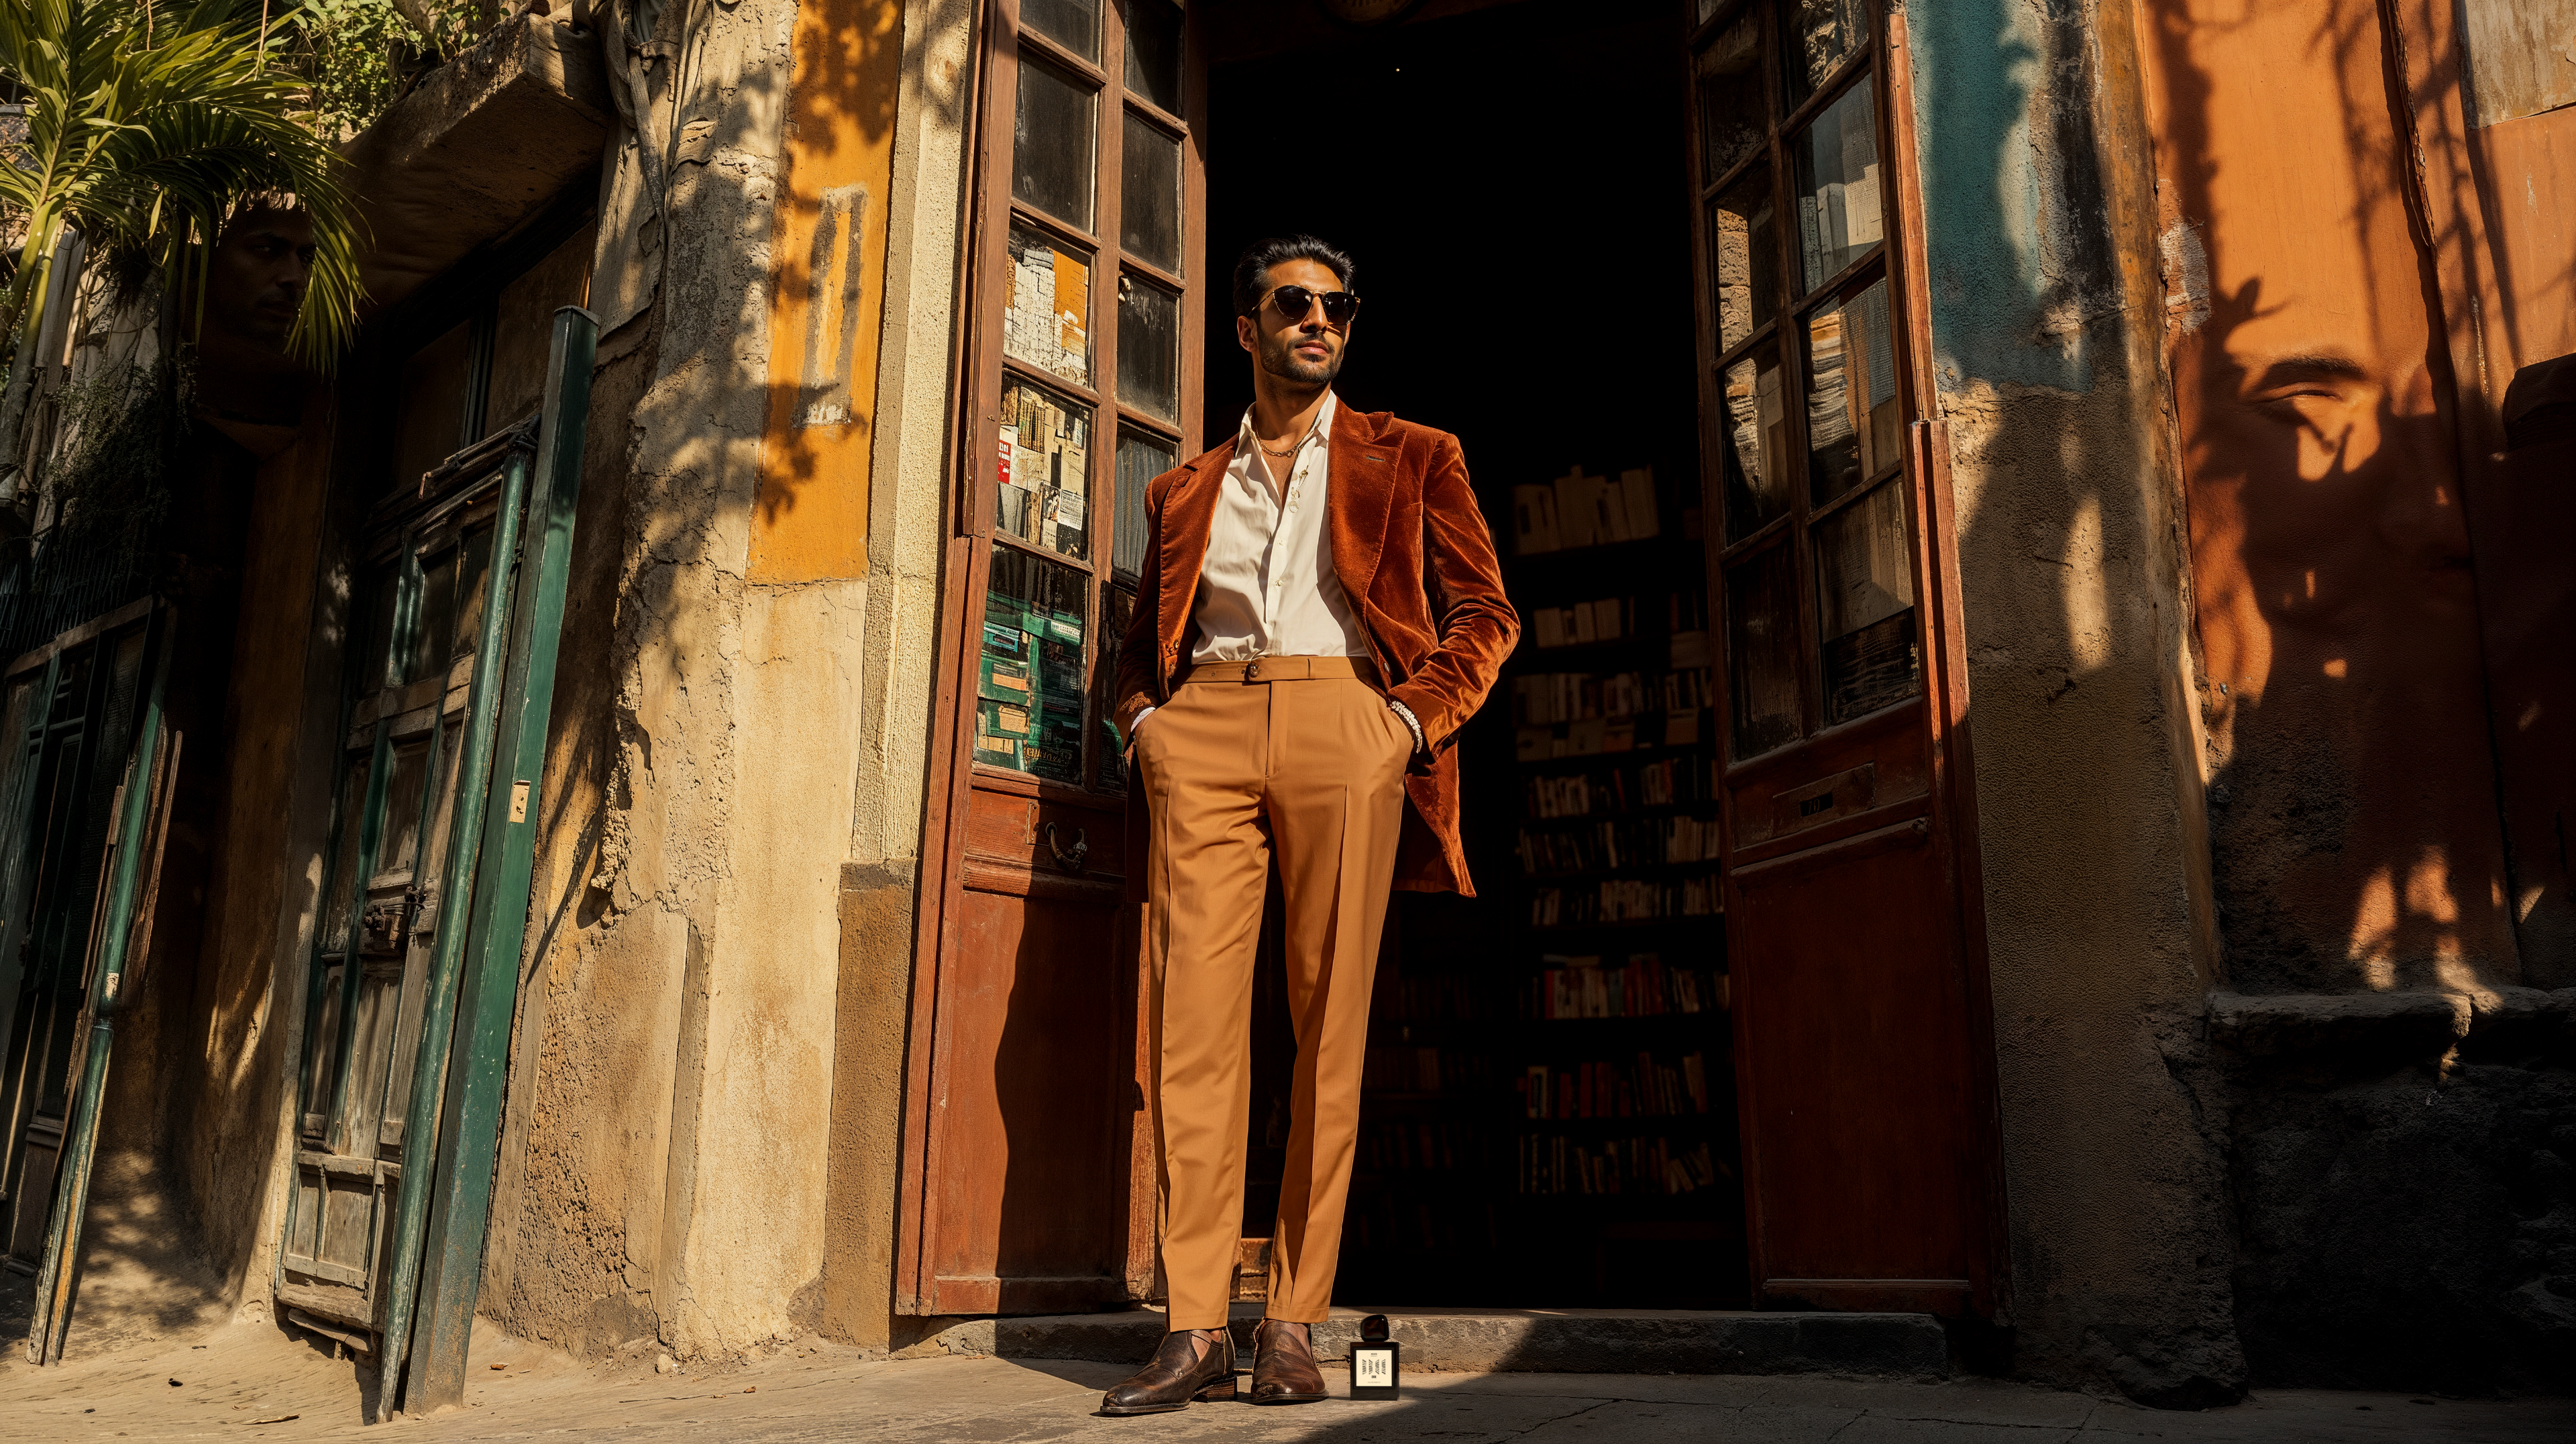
[149, 128]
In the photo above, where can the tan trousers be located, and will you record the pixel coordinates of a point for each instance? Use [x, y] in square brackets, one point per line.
[1302, 759]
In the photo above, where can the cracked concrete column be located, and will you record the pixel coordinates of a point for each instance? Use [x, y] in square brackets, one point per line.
[665, 1171]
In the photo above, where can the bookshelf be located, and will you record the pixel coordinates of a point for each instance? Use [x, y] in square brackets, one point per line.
[1551, 1071]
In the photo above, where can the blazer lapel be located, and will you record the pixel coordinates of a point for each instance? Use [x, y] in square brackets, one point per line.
[1189, 509]
[1362, 494]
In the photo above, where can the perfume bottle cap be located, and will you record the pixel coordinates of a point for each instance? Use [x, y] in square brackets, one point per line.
[1373, 1328]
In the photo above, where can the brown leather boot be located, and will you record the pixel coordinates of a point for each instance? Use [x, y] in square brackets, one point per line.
[1283, 1365]
[1176, 1378]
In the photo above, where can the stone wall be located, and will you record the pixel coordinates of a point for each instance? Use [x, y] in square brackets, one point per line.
[663, 1158]
[2275, 1111]
[2046, 337]
[699, 1149]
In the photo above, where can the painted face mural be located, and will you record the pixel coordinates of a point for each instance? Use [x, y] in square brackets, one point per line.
[2352, 805]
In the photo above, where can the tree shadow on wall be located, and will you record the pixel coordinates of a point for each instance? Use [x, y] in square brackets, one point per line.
[2397, 1210]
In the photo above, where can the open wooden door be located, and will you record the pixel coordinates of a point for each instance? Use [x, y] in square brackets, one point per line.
[425, 622]
[1023, 1116]
[1864, 1062]
[73, 711]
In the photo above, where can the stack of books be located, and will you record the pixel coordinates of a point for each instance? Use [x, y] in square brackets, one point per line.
[1624, 900]
[1617, 789]
[1606, 619]
[1646, 1089]
[1579, 987]
[1638, 842]
[1577, 510]
[1424, 1070]
[1553, 1163]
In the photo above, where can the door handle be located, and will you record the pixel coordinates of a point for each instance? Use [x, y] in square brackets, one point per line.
[1069, 858]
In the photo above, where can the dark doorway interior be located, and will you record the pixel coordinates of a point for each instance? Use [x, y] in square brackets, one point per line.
[1513, 186]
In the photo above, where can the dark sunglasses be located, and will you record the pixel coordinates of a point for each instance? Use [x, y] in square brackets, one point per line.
[1296, 303]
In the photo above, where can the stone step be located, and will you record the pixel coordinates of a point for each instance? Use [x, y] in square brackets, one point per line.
[1561, 1341]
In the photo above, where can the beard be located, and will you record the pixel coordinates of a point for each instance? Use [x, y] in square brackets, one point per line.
[1280, 360]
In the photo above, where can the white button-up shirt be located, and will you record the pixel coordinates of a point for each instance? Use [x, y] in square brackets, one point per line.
[1268, 588]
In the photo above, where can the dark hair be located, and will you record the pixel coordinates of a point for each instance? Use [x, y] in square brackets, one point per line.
[1252, 270]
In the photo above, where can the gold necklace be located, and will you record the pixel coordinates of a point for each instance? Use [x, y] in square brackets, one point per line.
[1292, 450]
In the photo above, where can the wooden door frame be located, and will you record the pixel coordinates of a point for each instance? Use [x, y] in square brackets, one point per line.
[1946, 715]
[976, 375]
[1938, 713]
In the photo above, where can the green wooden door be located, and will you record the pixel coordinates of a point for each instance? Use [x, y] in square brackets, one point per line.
[69, 710]
[420, 621]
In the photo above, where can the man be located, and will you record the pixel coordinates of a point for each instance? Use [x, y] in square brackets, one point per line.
[246, 379]
[1320, 610]
[261, 268]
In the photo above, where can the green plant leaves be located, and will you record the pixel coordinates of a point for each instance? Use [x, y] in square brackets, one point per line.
[148, 127]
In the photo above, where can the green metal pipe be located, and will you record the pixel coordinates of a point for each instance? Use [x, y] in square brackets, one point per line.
[107, 999]
[469, 1145]
[456, 889]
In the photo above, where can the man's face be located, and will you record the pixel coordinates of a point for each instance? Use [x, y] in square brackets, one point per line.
[259, 274]
[1305, 349]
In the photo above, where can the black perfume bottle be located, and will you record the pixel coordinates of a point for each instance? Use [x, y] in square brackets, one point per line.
[1375, 1372]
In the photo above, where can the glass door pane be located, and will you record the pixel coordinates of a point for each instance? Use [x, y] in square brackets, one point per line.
[1732, 111]
[1029, 693]
[1073, 24]
[1117, 603]
[1054, 143]
[1823, 34]
[1865, 605]
[1154, 54]
[1839, 212]
[1149, 194]
[1744, 254]
[1044, 484]
[1756, 450]
[1149, 348]
[1048, 320]
[1851, 394]
[1762, 652]
[1141, 458]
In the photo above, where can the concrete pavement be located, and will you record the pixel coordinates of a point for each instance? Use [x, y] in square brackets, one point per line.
[240, 1383]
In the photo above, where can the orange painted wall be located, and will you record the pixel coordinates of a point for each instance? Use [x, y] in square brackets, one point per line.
[2353, 806]
[825, 310]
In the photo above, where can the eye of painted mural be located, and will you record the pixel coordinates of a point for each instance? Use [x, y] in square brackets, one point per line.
[1048, 323]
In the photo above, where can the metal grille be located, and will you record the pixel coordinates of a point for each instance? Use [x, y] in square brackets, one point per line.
[56, 586]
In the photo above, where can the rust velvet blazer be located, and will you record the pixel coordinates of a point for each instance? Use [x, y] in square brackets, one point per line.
[1417, 561]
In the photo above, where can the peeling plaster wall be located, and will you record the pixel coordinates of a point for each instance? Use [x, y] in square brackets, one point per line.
[2046, 333]
[664, 1160]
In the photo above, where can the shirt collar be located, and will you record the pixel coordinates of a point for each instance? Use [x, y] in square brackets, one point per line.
[1244, 438]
